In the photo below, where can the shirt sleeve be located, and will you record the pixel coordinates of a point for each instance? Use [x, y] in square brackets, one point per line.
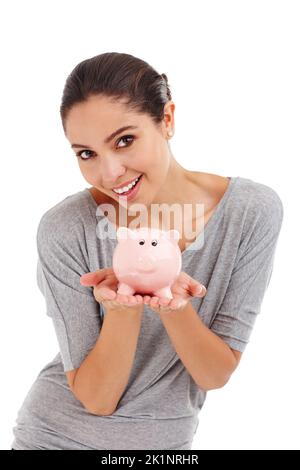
[251, 276]
[76, 315]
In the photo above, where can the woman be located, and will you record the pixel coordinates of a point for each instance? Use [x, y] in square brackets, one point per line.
[133, 371]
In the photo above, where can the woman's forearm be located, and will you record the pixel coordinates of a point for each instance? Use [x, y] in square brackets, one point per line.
[205, 355]
[103, 375]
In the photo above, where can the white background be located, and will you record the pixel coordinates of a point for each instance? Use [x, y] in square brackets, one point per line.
[233, 68]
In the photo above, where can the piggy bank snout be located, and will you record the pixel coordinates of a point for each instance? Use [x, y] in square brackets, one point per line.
[146, 263]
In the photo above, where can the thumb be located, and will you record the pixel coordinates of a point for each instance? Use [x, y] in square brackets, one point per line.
[93, 278]
[200, 291]
[197, 289]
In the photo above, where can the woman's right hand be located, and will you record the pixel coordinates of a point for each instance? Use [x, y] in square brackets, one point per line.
[105, 286]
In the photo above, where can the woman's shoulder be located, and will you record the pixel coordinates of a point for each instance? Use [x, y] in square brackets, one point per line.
[257, 197]
[243, 197]
[65, 216]
[254, 206]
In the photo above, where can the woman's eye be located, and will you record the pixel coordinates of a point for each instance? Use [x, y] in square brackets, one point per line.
[79, 154]
[125, 137]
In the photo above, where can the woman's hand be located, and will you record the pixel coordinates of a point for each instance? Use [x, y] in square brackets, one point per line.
[105, 289]
[183, 289]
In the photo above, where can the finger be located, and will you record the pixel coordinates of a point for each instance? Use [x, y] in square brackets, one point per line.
[132, 300]
[122, 299]
[93, 278]
[197, 289]
[147, 299]
[200, 291]
[139, 299]
[164, 301]
[154, 301]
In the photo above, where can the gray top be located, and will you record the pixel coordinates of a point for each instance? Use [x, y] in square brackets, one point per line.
[160, 405]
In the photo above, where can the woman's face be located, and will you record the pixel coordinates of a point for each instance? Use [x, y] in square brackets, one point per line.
[140, 150]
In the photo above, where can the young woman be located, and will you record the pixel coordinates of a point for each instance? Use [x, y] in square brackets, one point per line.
[133, 371]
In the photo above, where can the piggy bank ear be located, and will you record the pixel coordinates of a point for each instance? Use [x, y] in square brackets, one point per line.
[173, 235]
[124, 233]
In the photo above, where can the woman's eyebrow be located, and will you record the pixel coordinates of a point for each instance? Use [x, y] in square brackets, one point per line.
[109, 138]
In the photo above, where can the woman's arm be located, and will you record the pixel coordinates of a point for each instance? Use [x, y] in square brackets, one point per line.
[208, 359]
[101, 379]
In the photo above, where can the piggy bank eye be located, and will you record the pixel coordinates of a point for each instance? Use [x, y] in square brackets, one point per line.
[154, 243]
[142, 242]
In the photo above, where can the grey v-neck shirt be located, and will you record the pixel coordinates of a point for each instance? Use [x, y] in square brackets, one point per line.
[160, 405]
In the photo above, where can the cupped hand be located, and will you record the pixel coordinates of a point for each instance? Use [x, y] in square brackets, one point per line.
[183, 289]
[105, 286]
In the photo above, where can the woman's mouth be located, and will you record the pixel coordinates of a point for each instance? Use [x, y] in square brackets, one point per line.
[130, 194]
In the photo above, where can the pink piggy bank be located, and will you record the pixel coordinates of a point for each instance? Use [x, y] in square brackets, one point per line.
[146, 261]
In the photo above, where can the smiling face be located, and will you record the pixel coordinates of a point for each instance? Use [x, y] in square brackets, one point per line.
[108, 163]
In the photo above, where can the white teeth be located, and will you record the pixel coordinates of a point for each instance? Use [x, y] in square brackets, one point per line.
[126, 188]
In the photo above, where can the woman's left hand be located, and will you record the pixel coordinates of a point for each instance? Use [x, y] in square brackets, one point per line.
[183, 289]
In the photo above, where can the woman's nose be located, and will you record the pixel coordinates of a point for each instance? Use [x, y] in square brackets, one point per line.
[111, 172]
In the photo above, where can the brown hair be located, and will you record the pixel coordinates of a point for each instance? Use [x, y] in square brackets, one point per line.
[117, 75]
